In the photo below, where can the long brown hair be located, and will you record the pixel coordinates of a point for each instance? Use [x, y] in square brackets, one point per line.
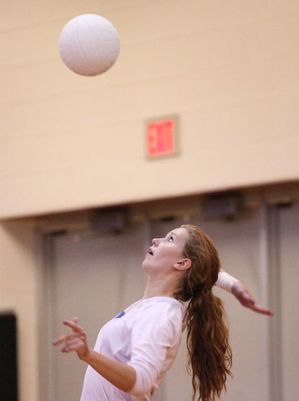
[209, 353]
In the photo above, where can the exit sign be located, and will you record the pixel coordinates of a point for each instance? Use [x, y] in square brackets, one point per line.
[161, 137]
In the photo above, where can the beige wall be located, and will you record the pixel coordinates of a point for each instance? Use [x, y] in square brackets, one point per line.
[228, 69]
[19, 293]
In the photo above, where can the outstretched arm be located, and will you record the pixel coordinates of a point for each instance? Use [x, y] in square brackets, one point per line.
[238, 289]
[119, 374]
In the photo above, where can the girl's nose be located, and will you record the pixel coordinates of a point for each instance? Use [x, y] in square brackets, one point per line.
[155, 241]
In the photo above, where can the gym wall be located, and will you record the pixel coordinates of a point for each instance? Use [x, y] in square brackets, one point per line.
[228, 70]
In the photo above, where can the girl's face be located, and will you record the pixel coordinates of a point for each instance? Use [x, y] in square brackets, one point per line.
[166, 252]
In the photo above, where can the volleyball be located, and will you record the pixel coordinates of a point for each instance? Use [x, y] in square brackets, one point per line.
[89, 44]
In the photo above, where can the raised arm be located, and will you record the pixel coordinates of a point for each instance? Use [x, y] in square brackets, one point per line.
[119, 374]
[238, 289]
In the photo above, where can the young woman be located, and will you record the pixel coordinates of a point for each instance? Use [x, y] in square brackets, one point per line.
[135, 349]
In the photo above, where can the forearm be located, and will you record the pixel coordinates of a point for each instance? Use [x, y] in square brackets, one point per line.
[119, 374]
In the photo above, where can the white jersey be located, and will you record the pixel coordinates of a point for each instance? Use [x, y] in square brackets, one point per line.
[145, 336]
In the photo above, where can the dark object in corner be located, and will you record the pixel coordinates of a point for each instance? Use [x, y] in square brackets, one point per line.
[8, 357]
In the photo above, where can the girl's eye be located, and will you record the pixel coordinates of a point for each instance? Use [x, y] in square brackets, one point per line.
[170, 239]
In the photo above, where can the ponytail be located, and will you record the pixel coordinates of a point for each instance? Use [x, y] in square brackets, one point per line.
[209, 353]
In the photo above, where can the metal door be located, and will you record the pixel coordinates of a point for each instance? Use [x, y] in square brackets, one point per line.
[91, 277]
[284, 331]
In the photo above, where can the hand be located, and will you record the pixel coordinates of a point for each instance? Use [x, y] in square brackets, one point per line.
[76, 341]
[247, 300]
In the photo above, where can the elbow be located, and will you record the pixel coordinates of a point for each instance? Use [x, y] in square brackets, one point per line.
[128, 384]
[139, 392]
[144, 383]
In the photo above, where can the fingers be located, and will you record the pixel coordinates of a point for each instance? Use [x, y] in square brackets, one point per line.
[73, 325]
[253, 306]
[78, 332]
[256, 308]
[72, 345]
[71, 342]
[66, 337]
[259, 309]
[59, 340]
[247, 300]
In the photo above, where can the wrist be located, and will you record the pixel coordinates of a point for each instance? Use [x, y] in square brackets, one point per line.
[226, 281]
[86, 356]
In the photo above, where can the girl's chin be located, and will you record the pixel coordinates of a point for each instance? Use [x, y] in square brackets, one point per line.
[147, 266]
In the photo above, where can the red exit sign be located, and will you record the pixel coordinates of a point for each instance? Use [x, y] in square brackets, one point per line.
[161, 137]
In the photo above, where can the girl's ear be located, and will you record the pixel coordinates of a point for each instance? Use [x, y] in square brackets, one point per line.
[183, 264]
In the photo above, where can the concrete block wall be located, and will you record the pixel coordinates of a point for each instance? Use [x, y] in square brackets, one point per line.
[228, 70]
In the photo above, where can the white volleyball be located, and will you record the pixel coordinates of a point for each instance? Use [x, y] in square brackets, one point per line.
[89, 44]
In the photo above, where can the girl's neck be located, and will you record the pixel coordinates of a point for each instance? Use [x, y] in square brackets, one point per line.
[157, 287]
